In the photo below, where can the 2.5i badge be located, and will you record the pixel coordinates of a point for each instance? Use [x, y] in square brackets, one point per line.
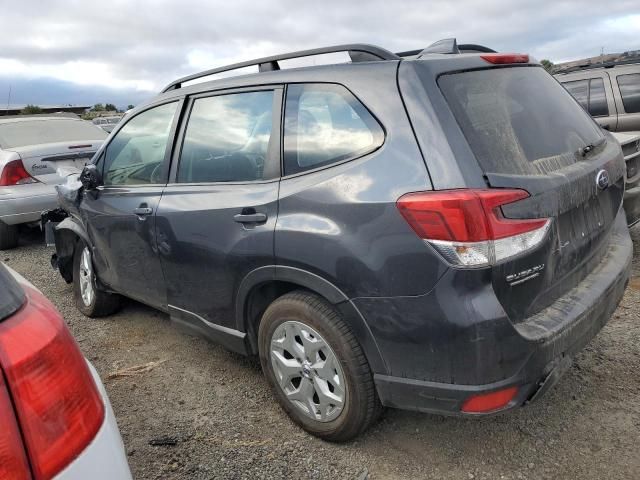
[525, 275]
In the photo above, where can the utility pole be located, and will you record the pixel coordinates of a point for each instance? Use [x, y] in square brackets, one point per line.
[8, 99]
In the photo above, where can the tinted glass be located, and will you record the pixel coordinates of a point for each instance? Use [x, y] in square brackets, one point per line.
[518, 120]
[227, 138]
[326, 124]
[11, 294]
[38, 132]
[597, 98]
[135, 155]
[630, 90]
[580, 91]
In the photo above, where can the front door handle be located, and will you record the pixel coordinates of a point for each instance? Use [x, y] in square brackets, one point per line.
[142, 211]
[250, 217]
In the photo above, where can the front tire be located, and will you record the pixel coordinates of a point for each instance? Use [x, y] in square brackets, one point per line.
[316, 367]
[90, 300]
[8, 236]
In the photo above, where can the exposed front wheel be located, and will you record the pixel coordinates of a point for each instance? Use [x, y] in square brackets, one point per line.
[90, 300]
[8, 236]
[316, 367]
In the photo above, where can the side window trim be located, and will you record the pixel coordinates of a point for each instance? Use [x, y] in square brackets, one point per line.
[168, 149]
[376, 120]
[273, 160]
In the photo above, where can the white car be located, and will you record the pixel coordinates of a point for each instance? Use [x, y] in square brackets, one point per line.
[56, 421]
[32, 149]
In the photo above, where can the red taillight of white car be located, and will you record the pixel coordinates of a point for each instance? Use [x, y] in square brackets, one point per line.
[57, 405]
[13, 458]
[14, 173]
[467, 226]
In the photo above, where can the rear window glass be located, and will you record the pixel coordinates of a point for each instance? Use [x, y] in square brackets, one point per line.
[518, 120]
[630, 90]
[11, 294]
[38, 132]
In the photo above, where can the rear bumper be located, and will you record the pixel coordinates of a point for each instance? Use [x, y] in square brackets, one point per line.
[25, 203]
[489, 355]
[104, 458]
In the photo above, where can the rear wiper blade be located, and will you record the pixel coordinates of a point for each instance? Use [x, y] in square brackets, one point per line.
[588, 148]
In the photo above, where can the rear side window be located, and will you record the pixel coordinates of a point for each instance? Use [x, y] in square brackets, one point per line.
[227, 138]
[630, 90]
[590, 94]
[597, 98]
[325, 124]
[39, 132]
[518, 120]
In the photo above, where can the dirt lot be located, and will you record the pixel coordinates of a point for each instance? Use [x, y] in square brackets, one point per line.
[218, 409]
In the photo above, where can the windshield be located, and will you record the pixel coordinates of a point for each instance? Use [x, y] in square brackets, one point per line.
[37, 132]
[519, 120]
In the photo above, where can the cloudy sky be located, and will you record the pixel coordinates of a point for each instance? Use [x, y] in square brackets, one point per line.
[122, 51]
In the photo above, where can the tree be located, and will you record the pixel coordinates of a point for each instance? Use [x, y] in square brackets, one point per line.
[110, 107]
[129, 107]
[30, 110]
[98, 107]
[548, 65]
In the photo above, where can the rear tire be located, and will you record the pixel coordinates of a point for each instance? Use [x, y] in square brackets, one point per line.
[8, 236]
[316, 367]
[90, 300]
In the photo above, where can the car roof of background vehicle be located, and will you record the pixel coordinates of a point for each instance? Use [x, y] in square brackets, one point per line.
[599, 66]
[38, 119]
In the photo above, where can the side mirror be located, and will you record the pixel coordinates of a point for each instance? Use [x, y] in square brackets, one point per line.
[90, 177]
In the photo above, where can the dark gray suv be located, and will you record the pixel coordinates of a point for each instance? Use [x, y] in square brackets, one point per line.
[439, 233]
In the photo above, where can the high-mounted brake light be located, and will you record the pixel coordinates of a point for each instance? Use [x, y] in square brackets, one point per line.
[56, 401]
[13, 459]
[467, 226]
[504, 58]
[14, 173]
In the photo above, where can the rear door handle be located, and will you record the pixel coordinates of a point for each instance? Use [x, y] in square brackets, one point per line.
[143, 211]
[250, 217]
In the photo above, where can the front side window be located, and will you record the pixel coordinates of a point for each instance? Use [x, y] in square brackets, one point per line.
[227, 138]
[135, 156]
[325, 124]
[630, 90]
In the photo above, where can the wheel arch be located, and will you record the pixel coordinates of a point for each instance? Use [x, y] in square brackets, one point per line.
[264, 285]
[67, 233]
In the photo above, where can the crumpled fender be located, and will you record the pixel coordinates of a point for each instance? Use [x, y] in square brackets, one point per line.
[66, 234]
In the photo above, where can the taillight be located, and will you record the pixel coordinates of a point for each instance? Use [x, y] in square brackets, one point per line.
[467, 226]
[57, 403]
[13, 459]
[504, 58]
[489, 402]
[14, 173]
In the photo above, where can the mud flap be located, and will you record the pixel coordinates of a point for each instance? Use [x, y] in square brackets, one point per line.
[558, 369]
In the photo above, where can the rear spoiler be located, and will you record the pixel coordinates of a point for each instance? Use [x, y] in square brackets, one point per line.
[447, 46]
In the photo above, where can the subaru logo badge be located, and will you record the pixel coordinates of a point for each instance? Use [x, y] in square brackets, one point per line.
[602, 179]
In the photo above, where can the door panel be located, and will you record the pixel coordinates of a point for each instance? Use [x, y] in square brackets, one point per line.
[216, 219]
[125, 251]
[120, 216]
[205, 252]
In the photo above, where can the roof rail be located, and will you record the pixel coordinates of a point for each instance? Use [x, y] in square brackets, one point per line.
[591, 66]
[358, 52]
[447, 46]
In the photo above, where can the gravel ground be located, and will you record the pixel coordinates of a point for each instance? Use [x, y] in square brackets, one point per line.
[217, 409]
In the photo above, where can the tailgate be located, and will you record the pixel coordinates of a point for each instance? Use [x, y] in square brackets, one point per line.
[528, 133]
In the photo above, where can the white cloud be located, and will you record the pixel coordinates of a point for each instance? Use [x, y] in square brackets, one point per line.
[142, 45]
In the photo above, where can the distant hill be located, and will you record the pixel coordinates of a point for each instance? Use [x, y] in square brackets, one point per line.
[48, 91]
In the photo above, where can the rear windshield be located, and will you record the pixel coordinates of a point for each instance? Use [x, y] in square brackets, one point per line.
[518, 120]
[37, 132]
